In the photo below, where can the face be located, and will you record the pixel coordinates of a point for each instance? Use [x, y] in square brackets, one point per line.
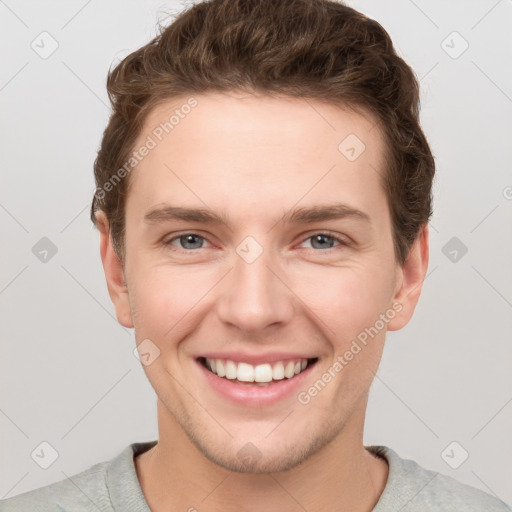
[284, 270]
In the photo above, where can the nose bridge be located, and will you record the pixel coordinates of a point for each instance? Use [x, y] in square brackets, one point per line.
[254, 297]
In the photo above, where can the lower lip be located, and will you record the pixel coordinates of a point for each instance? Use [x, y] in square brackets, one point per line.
[254, 395]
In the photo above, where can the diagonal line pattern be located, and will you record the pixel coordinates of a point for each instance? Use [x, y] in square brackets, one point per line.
[488, 215]
[429, 71]
[81, 490]
[319, 114]
[483, 483]
[287, 492]
[494, 416]
[280, 423]
[486, 14]
[14, 218]
[492, 81]
[216, 487]
[71, 71]
[14, 423]
[14, 76]
[413, 497]
[12, 280]
[433, 227]
[410, 409]
[94, 298]
[102, 397]
[74, 218]
[11, 489]
[76, 14]
[424, 13]
[493, 287]
[13, 13]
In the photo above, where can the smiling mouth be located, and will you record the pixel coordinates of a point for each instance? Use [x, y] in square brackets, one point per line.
[257, 375]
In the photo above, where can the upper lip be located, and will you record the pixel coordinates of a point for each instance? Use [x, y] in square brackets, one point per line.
[255, 359]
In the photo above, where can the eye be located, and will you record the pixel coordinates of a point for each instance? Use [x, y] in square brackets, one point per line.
[187, 241]
[325, 240]
[193, 241]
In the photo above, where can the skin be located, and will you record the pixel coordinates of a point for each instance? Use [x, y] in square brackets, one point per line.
[254, 158]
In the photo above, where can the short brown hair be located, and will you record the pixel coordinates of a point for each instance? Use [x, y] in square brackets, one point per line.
[313, 49]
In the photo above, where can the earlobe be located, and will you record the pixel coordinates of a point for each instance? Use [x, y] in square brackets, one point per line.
[410, 280]
[114, 273]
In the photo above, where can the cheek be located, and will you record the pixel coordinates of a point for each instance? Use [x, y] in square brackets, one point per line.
[345, 299]
[168, 302]
[163, 300]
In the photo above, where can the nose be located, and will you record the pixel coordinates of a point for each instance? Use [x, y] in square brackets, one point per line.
[255, 296]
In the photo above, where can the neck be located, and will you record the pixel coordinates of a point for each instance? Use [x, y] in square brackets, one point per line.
[174, 474]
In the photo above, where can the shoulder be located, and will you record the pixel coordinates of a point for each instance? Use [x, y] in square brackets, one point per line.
[412, 488]
[91, 490]
[80, 492]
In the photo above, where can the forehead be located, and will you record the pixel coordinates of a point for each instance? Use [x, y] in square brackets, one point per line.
[274, 120]
[232, 150]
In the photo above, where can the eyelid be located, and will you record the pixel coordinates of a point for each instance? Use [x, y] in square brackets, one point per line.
[342, 240]
[174, 236]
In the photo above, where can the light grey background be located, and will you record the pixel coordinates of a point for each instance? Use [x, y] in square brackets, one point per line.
[68, 373]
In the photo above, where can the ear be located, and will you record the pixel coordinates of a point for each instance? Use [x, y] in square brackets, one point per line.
[114, 273]
[410, 277]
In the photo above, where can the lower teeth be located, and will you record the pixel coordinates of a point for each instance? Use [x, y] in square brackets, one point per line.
[253, 383]
[243, 383]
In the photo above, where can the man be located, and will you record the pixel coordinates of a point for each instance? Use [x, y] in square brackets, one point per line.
[281, 141]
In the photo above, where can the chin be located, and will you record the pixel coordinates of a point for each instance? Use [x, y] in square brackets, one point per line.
[256, 463]
[262, 456]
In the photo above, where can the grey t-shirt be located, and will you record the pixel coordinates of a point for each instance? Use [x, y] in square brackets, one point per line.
[113, 486]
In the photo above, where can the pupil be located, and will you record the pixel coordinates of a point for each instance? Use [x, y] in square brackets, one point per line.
[190, 238]
[324, 238]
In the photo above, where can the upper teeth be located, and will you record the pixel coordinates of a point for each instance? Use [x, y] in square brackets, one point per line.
[246, 372]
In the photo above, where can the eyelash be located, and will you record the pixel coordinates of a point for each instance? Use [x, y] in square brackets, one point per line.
[341, 241]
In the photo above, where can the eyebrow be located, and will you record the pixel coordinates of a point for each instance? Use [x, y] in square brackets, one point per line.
[303, 215]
